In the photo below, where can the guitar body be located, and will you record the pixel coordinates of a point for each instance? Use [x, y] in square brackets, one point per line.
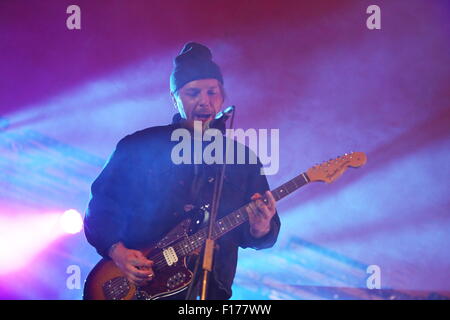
[107, 282]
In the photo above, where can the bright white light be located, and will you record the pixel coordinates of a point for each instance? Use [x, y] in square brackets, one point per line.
[24, 236]
[71, 221]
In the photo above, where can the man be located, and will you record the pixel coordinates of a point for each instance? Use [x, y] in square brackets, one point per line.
[141, 194]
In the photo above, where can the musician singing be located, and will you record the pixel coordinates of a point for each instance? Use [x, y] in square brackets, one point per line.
[141, 194]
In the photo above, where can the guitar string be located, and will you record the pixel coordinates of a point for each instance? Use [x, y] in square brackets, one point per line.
[192, 245]
[159, 259]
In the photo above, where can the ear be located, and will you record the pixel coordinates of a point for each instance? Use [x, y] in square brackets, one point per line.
[178, 107]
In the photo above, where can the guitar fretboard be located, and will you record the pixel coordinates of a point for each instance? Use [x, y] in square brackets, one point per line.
[236, 218]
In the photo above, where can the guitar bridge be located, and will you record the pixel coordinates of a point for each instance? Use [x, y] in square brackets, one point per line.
[116, 288]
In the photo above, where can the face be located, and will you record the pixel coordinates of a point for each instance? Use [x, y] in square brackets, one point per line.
[199, 100]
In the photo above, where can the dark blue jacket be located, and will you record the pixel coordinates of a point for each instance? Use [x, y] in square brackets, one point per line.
[140, 194]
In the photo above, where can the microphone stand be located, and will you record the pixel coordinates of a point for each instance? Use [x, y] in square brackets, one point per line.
[208, 255]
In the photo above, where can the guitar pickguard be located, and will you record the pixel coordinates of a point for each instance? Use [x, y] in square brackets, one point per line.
[180, 231]
[186, 227]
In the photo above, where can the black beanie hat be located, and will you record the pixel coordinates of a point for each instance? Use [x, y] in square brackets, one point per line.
[193, 63]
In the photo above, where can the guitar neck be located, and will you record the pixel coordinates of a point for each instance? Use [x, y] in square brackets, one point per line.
[237, 217]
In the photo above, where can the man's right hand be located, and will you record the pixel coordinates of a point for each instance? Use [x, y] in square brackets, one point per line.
[136, 267]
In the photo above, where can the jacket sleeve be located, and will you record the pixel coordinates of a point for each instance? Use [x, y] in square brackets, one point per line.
[258, 184]
[105, 218]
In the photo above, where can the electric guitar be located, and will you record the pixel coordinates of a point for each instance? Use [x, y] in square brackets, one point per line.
[107, 282]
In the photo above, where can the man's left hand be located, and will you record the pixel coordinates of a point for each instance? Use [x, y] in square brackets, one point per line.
[260, 214]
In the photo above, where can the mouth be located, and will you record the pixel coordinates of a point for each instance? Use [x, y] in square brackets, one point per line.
[202, 116]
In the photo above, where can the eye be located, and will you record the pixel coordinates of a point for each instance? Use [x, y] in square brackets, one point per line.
[192, 94]
[212, 92]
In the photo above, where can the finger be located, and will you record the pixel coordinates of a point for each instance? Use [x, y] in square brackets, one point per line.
[141, 274]
[272, 202]
[256, 196]
[251, 211]
[143, 263]
[143, 259]
[256, 207]
[141, 281]
[263, 210]
[144, 278]
[139, 260]
[134, 280]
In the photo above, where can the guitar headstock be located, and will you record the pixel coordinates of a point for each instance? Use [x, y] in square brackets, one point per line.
[332, 169]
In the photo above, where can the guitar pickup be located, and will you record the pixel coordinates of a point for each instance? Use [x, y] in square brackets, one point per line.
[170, 255]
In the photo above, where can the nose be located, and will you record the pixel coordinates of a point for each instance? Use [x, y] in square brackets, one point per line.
[204, 100]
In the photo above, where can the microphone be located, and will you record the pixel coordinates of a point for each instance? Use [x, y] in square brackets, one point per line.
[220, 119]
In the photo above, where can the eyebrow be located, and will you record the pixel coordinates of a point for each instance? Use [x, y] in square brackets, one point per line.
[196, 88]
